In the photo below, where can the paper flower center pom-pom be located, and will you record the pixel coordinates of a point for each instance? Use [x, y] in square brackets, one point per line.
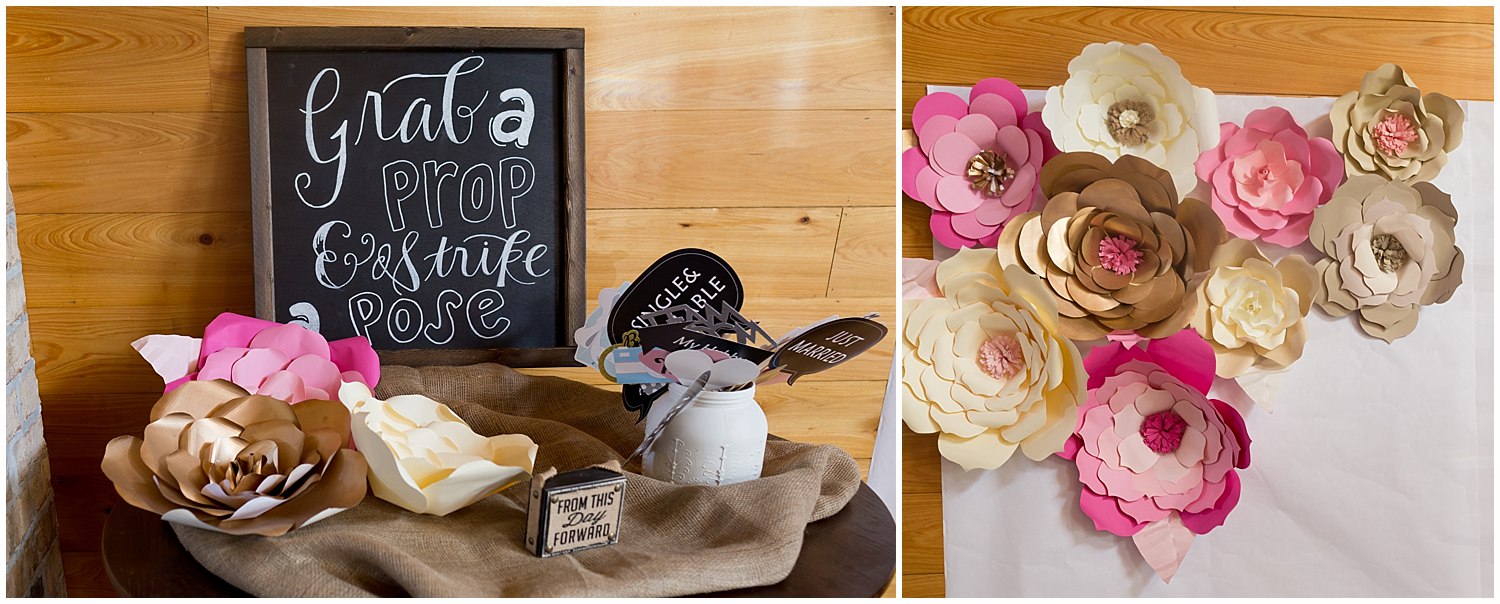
[1389, 254]
[1162, 431]
[1118, 254]
[988, 173]
[1392, 133]
[1001, 357]
[1129, 122]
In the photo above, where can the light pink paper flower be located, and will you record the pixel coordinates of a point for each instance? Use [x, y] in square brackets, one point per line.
[1156, 456]
[1269, 176]
[976, 162]
[288, 362]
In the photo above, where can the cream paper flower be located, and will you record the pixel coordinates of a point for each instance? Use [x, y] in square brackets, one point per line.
[1130, 99]
[1390, 251]
[1389, 128]
[1252, 312]
[424, 458]
[985, 366]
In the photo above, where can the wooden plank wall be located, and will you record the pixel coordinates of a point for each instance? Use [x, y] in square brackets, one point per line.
[764, 134]
[1291, 51]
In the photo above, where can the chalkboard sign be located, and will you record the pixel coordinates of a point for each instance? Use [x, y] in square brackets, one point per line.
[421, 187]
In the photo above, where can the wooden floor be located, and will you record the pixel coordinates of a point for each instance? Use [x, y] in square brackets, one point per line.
[1292, 51]
[763, 134]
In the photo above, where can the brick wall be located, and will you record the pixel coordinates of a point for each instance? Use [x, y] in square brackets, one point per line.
[33, 560]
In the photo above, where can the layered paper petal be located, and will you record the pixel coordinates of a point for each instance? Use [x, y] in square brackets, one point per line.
[983, 363]
[290, 361]
[975, 162]
[426, 459]
[1388, 128]
[1389, 251]
[1156, 457]
[1252, 312]
[218, 458]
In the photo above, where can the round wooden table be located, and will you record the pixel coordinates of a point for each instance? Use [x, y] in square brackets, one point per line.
[849, 554]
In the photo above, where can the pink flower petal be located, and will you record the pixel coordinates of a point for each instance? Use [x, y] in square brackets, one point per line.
[1002, 87]
[952, 153]
[1143, 510]
[1327, 165]
[1033, 122]
[927, 182]
[937, 103]
[316, 372]
[1102, 361]
[1203, 522]
[1071, 448]
[955, 194]
[966, 225]
[997, 109]
[979, 128]
[1234, 220]
[259, 363]
[1291, 235]
[284, 385]
[229, 330]
[1273, 119]
[1236, 424]
[355, 354]
[936, 128]
[292, 340]
[912, 162]
[1088, 473]
[1106, 514]
[1164, 544]
[1186, 356]
[941, 224]
[220, 365]
[180, 381]
[1224, 187]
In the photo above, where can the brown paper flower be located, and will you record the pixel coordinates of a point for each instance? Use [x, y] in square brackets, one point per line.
[1114, 245]
[1390, 252]
[1390, 128]
[1251, 311]
[217, 458]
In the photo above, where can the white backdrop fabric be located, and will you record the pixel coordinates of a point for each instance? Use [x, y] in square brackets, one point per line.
[1373, 476]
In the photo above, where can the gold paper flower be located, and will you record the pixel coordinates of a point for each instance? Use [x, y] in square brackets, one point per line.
[1391, 129]
[424, 458]
[217, 458]
[1251, 312]
[985, 366]
[1390, 251]
[1114, 245]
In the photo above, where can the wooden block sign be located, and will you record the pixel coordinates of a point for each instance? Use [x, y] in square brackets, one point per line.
[421, 187]
[574, 511]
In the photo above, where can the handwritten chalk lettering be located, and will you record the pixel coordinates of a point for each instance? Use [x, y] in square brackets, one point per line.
[405, 320]
[339, 255]
[476, 191]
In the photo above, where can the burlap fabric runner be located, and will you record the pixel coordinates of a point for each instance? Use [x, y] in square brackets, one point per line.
[674, 540]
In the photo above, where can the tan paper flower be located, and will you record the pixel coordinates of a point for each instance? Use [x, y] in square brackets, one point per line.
[1390, 128]
[1390, 251]
[1114, 245]
[217, 458]
[985, 366]
[1252, 312]
[424, 458]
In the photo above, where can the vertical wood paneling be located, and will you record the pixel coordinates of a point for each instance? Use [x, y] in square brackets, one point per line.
[754, 132]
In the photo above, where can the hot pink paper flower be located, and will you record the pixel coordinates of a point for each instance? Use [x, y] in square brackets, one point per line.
[1156, 456]
[976, 162]
[288, 362]
[1269, 176]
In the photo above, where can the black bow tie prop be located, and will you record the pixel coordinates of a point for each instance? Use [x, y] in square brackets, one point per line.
[690, 299]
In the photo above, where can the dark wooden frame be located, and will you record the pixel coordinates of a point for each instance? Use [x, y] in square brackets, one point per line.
[568, 42]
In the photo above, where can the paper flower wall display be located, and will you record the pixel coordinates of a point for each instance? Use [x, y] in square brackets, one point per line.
[1268, 176]
[1155, 455]
[985, 366]
[288, 362]
[1390, 251]
[1114, 245]
[217, 458]
[1131, 99]
[1391, 129]
[424, 458]
[976, 162]
[1251, 312]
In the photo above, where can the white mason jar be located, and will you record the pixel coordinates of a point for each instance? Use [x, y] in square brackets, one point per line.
[720, 438]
